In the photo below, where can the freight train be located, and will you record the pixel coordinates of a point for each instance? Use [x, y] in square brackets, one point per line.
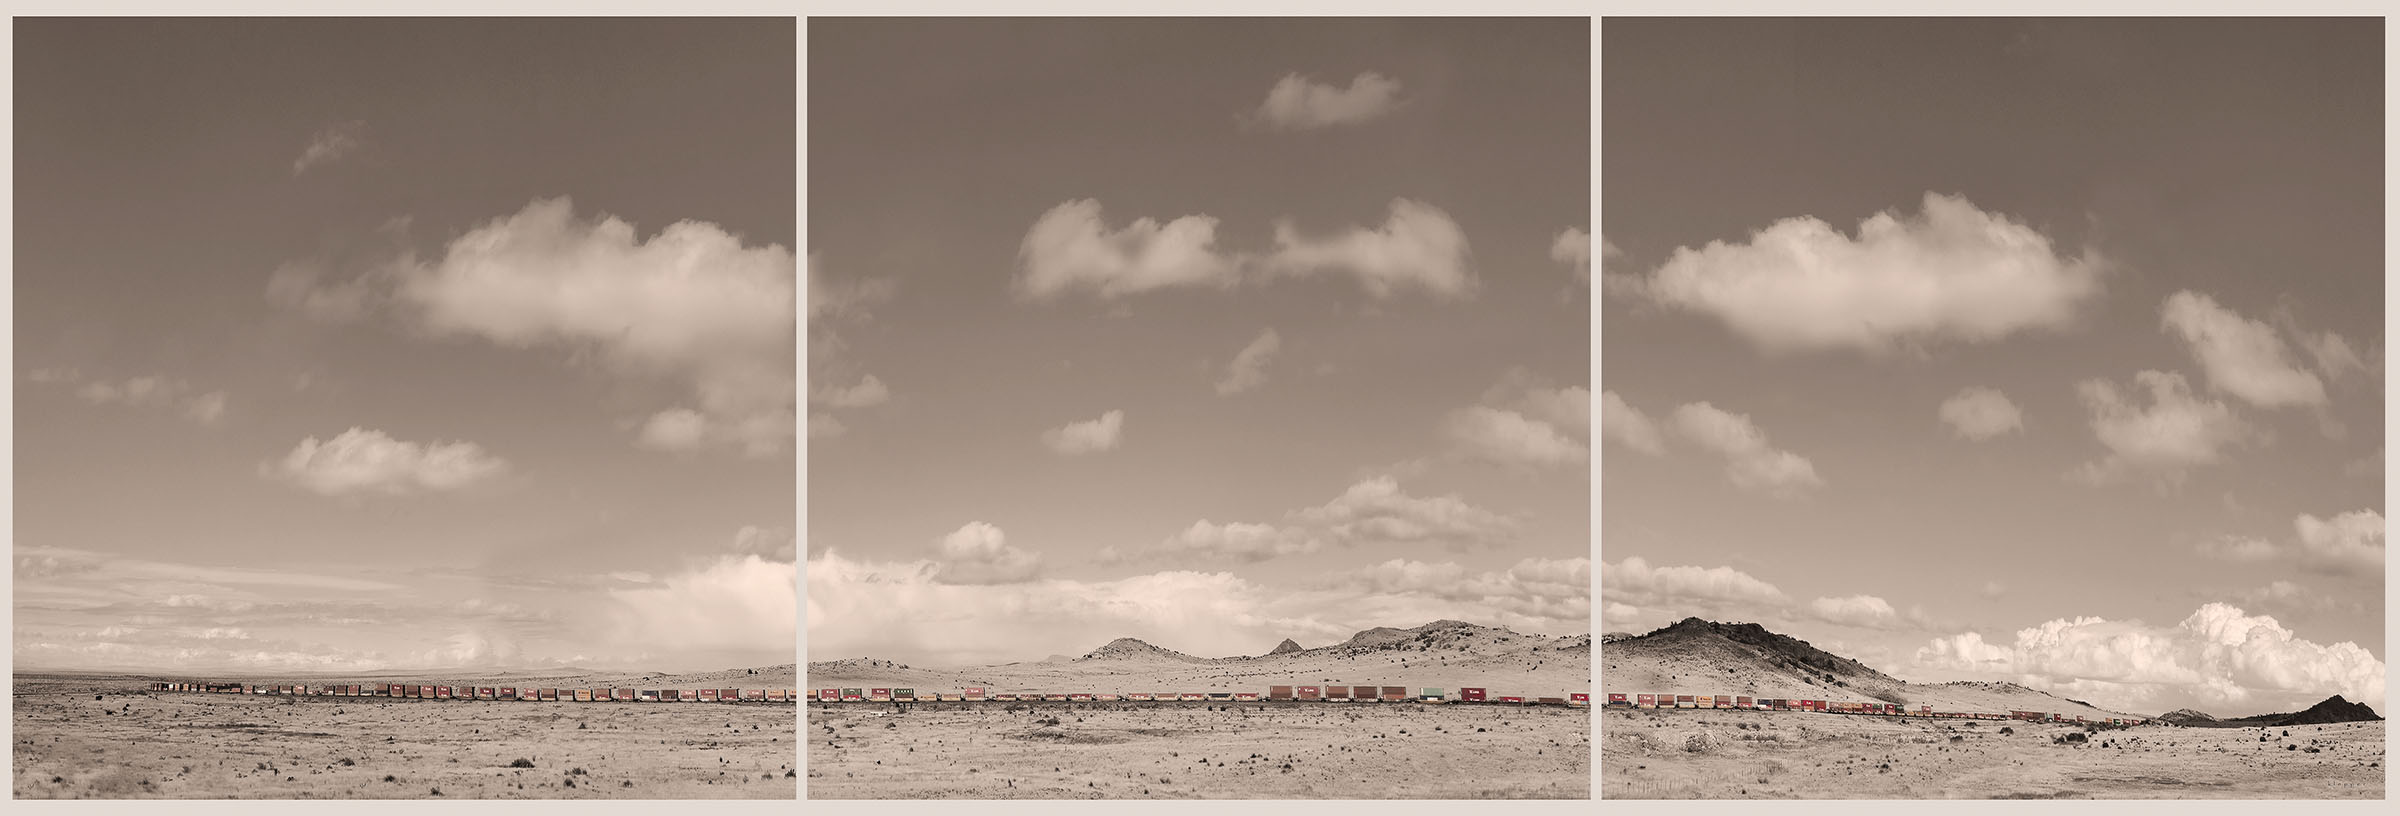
[1339, 694]
[408, 691]
[1875, 709]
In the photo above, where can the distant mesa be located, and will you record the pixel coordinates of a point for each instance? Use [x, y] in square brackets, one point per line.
[1136, 649]
[1286, 647]
[2333, 710]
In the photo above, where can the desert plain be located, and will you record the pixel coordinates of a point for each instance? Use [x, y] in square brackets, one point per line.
[1694, 754]
[81, 736]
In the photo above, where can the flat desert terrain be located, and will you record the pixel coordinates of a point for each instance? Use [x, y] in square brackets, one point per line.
[133, 743]
[1197, 751]
[1794, 755]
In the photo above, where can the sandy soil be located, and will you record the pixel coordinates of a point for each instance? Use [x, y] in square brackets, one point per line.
[132, 743]
[1188, 751]
[1791, 755]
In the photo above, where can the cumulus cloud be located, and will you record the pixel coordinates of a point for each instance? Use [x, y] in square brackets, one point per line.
[1574, 248]
[770, 543]
[2175, 431]
[149, 392]
[2217, 656]
[691, 303]
[2333, 355]
[741, 605]
[979, 553]
[2241, 357]
[1235, 543]
[367, 461]
[1980, 413]
[1418, 248]
[2239, 549]
[1249, 367]
[1534, 587]
[1952, 272]
[1087, 436]
[1628, 426]
[1865, 611]
[1635, 582]
[1750, 461]
[2349, 543]
[1299, 103]
[868, 392]
[1373, 512]
[330, 144]
[1071, 248]
[1525, 422]
[1377, 512]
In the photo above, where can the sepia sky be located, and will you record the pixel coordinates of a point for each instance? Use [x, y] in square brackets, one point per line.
[359, 344]
[2043, 351]
[1212, 333]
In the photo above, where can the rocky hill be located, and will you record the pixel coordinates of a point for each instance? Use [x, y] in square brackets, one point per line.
[1694, 656]
[1286, 647]
[1136, 649]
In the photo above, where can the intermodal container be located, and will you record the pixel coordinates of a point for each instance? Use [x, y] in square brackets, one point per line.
[1279, 692]
[974, 693]
[1311, 693]
[1742, 702]
[1586, 700]
[1195, 697]
[1394, 694]
[1645, 701]
[1506, 700]
[1470, 695]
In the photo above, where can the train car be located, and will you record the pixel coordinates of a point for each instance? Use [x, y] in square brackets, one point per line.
[645, 696]
[548, 695]
[1245, 696]
[1431, 695]
[1618, 701]
[1084, 697]
[1311, 693]
[1337, 694]
[831, 695]
[776, 696]
[949, 697]
[1581, 700]
[1645, 701]
[1139, 697]
[1394, 694]
[623, 695]
[1742, 702]
[1724, 701]
[1220, 696]
[904, 694]
[754, 695]
[1279, 692]
[726, 695]
[1470, 695]
[974, 694]
[1550, 701]
[576, 695]
[1367, 694]
[1507, 700]
[441, 692]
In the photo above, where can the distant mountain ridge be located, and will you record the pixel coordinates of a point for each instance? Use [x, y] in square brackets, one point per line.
[2332, 710]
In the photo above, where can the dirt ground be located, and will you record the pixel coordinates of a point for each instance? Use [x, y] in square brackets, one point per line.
[135, 744]
[1794, 755]
[1188, 751]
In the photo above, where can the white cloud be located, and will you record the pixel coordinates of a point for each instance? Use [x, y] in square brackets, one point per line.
[676, 429]
[365, 461]
[1534, 587]
[1574, 247]
[1377, 512]
[771, 543]
[1236, 543]
[1865, 611]
[1981, 413]
[141, 392]
[2174, 432]
[825, 426]
[1299, 103]
[1750, 461]
[691, 303]
[979, 553]
[868, 392]
[2333, 355]
[1071, 248]
[2218, 655]
[1087, 436]
[1950, 273]
[1374, 512]
[2350, 543]
[1507, 436]
[1628, 426]
[1525, 422]
[1249, 367]
[330, 144]
[1418, 247]
[741, 604]
[1685, 590]
[2239, 549]
[2241, 357]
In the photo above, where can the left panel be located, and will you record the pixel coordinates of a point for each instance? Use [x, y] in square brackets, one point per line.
[404, 409]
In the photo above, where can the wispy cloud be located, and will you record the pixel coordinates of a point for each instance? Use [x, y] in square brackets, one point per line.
[1300, 103]
[330, 144]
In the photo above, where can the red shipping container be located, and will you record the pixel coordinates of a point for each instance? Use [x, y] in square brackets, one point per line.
[1470, 695]
[1311, 693]
[1645, 701]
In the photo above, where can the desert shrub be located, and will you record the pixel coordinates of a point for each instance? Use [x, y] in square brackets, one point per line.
[346, 763]
[521, 762]
[2006, 731]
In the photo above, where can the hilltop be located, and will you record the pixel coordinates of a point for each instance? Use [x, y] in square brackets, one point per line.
[1441, 654]
[1694, 656]
[2332, 710]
